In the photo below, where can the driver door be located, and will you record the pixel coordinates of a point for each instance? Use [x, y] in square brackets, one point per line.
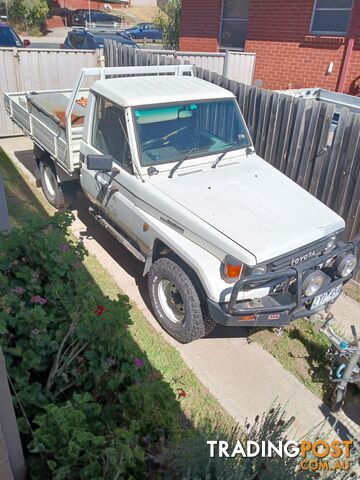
[113, 192]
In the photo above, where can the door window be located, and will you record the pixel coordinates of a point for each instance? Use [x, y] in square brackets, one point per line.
[77, 40]
[110, 132]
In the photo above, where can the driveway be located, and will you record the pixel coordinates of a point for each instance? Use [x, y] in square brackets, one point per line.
[244, 377]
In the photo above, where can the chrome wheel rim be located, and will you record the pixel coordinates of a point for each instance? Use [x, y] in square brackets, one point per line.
[171, 301]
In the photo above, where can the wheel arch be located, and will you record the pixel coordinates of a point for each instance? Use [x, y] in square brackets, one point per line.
[163, 248]
[41, 155]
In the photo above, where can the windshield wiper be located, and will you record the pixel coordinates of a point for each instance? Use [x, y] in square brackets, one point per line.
[180, 162]
[222, 155]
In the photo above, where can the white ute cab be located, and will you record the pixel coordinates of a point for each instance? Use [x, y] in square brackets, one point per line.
[170, 170]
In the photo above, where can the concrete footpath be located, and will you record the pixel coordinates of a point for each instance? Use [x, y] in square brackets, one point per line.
[244, 377]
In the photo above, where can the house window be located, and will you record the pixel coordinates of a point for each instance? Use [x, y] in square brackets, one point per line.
[234, 21]
[331, 17]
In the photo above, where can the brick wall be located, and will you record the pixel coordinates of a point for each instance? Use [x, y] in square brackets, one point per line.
[287, 56]
[200, 22]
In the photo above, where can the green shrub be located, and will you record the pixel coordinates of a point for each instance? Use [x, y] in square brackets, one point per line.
[168, 20]
[28, 13]
[94, 408]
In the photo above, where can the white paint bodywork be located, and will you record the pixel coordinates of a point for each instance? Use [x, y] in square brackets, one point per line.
[140, 91]
[244, 208]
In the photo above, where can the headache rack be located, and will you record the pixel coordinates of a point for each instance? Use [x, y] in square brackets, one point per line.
[54, 119]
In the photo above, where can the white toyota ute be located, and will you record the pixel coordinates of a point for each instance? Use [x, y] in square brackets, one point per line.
[169, 168]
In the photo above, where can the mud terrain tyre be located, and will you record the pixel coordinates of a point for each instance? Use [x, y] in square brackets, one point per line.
[59, 195]
[176, 302]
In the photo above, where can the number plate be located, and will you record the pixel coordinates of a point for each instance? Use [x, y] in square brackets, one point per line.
[326, 297]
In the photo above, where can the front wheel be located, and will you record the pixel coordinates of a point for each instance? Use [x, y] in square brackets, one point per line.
[176, 302]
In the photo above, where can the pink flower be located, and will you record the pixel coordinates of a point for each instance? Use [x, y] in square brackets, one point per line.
[64, 247]
[138, 363]
[38, 300]
[18, 290]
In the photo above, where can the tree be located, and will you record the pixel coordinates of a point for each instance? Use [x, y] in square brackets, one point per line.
[17, 11]
[168, 21]
[28, 12]
[36, 12]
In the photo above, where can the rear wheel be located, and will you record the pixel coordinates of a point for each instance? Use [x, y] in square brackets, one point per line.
[176, 302]
[59, 195]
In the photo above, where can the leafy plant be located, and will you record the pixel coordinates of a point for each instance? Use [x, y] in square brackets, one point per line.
[191, 460]
[93, 407]
[168, 20]
[28, 13]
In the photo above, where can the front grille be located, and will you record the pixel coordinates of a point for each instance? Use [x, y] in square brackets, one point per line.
[308, 252]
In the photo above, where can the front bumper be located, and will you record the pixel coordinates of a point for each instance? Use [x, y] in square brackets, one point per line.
[278, 309]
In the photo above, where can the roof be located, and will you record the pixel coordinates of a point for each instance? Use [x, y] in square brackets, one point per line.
[149, 90]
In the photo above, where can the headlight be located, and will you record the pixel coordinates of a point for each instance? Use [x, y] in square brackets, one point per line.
[259, 270]
[345, 264]
[331, 243]
[312, 283]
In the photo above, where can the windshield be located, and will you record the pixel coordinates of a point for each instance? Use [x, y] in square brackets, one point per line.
[168, 133]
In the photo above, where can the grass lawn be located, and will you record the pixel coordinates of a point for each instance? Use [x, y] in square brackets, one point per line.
[198, 405]
[300, 350]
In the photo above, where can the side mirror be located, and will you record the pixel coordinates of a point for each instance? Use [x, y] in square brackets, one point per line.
[26, 43]
[101, 163]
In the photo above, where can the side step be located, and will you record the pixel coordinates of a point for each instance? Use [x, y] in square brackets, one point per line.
[120, 237]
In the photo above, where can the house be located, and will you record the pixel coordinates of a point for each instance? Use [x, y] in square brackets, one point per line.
[298, 43]
[93, 4]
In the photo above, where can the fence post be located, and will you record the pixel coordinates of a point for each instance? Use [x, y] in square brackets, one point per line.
[226, 62]
[9, 427]
[101, 57]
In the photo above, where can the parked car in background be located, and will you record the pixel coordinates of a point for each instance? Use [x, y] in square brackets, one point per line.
[9, 38]
[80, 17]
[87, 40]
[144, 30]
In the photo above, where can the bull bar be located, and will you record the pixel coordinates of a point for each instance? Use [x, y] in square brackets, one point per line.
[278, 309]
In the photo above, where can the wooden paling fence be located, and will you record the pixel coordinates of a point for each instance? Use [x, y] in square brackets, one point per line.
[295, 135]
[234, 65]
